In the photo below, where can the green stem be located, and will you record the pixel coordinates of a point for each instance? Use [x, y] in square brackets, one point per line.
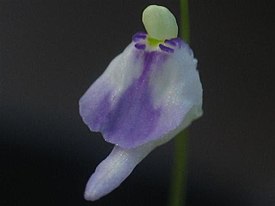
[179, 172]
[184, 20]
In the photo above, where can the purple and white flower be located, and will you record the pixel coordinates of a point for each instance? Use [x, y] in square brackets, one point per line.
[147, 94]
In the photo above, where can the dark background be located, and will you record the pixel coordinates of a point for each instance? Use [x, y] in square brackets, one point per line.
[51, 51]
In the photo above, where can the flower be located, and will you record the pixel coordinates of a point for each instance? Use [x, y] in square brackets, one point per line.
[148, 94]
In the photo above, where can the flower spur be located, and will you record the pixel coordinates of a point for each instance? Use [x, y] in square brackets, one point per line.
[147, 94]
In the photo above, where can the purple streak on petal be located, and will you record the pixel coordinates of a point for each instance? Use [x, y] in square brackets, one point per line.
[176, 42]
[133, 119]
[138, 36]
[140, 46]
[171, 42]
[141, 33]
[166, 49]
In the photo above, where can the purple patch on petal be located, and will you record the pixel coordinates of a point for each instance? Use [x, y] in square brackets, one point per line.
[139, 36]
[132, 120]
[140, 46]
[166, 49]
[134, 117]
[98, 117]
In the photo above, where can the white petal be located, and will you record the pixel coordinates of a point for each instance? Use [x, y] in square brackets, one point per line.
[177, 90]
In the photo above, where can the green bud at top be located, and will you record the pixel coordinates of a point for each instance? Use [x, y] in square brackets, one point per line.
[159, 23]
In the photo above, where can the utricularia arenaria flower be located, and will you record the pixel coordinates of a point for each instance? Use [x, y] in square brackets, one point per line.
[147, 94]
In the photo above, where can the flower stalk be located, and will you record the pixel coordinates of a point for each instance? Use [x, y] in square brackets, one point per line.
[179, 170]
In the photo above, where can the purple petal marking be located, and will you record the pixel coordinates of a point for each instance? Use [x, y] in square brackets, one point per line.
[132, 121]
[166, 49]
[175, 42]
[140, 46]
[171, 42]
[141, 33]
[139, 36]
[134, 117]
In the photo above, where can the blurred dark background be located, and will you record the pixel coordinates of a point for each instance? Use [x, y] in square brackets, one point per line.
[51, 51]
